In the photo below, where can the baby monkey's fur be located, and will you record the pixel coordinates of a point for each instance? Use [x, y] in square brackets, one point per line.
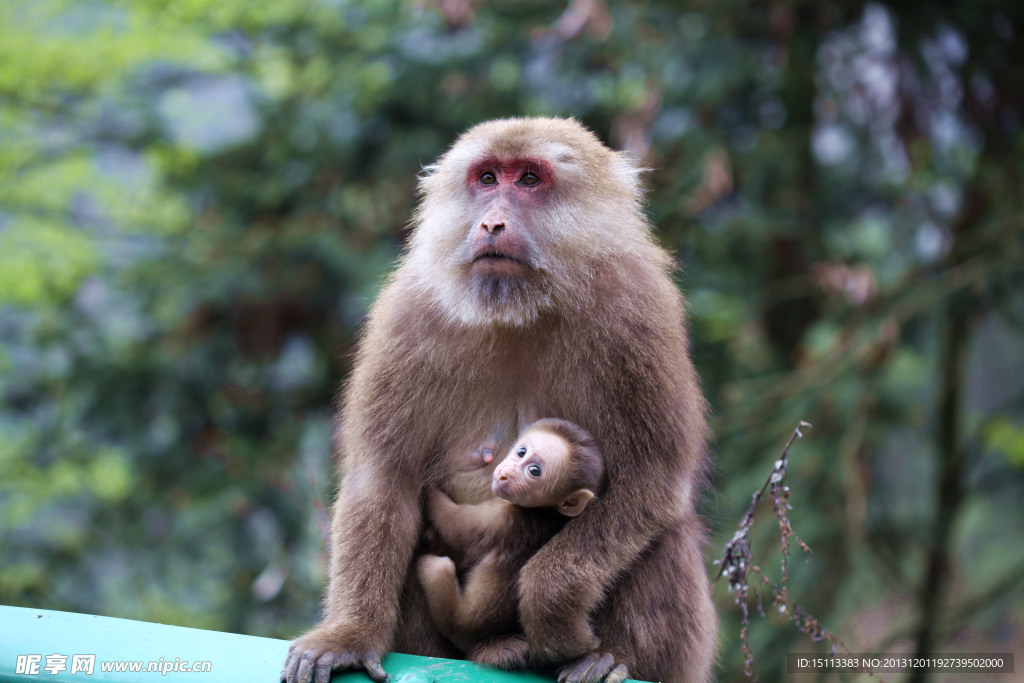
[498, 536]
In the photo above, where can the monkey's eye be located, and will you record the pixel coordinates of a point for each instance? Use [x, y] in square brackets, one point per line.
[533, 471]
[521, 451]
[529, 179]
[488, 178]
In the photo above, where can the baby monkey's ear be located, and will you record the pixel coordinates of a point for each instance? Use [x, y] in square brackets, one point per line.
[574, 503]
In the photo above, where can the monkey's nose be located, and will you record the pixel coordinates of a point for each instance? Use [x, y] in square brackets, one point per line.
[493, 228]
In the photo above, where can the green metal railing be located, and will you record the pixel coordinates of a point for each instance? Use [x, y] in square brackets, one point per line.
[136, 651]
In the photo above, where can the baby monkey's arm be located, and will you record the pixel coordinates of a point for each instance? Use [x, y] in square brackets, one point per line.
[463, 525]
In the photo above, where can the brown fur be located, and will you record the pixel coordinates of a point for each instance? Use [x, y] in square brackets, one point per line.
[498, 536]
[596, 333]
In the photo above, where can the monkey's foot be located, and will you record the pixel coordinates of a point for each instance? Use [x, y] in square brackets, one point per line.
[313, 657]
[594, 668]
[508, 653]
[436, 572]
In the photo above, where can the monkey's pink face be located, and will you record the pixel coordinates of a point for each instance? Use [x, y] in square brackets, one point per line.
[518, 217]
[531, 473]
[506, 196]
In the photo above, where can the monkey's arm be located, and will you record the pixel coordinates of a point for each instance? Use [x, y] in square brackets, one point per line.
[464, 525]
[563, 584]
[385, 435]
[652, 447]
[372, 539]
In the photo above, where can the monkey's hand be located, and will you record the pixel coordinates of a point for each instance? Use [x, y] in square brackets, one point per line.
[439, 505]
[327, 648]
[596, 667]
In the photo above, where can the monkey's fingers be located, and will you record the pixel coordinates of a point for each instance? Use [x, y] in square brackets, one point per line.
[291, 663]
[332, 661]
[311, 666]
[573, 673]
[299, 665]
[593, 668]
[599, 669]
[323, 670]
[618, 674]
[374, 669]
[306, 668]
[327, 663]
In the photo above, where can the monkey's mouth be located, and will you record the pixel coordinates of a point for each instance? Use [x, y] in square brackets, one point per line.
[493, 256]
[501, 489]
[494, 263]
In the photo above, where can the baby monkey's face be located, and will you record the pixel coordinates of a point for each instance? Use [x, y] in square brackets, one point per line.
[531, 474]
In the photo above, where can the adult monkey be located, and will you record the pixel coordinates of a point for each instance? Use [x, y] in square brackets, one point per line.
[531, 288]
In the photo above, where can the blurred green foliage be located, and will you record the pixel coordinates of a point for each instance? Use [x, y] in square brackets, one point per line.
[198, 200]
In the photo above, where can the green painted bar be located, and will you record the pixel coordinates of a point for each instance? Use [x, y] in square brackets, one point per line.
[233, 658]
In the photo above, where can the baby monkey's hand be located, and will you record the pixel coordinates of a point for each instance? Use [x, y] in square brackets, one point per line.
[437, 503]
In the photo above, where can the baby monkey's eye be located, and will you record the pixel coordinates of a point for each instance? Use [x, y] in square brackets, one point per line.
[534, 471]
[521, 451]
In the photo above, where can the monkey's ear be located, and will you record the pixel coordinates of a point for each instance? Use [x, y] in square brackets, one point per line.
[574, 503]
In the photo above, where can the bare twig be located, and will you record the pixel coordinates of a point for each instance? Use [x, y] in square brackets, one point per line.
[736, 564]
[740, 541]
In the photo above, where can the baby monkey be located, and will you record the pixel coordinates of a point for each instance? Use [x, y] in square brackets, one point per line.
[550, 475]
